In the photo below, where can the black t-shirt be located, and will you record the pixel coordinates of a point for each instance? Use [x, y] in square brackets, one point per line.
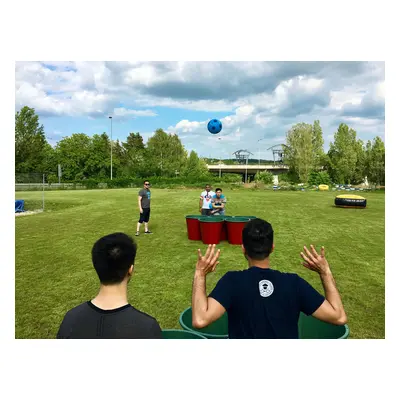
[87, 321]
[265, 303]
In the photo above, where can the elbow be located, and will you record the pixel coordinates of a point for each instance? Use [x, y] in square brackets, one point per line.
[198, 323]
[342, 320]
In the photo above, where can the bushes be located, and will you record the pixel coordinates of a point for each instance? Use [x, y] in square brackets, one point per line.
[156, 181]
[265, 177]
[319, 178]
[264, 180]
[229, 178]
[290, 177]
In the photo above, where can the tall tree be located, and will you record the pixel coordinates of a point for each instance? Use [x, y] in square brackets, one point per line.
[376, 162]
[98, 162]
[195, 167]
[118, 159]
[360, 171]
[73, 154]
[165, 153]
[343, 155]
[30, 142]
[133, 155]
[317, 146]
[299, 150]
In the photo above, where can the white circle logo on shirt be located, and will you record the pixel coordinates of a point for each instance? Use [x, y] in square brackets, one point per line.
[266, 288]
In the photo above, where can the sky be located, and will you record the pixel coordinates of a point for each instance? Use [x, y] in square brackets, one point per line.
[257, 102]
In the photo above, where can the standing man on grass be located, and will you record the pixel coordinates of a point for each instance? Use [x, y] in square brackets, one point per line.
[261, 302]
[144, 208]
[205, 200]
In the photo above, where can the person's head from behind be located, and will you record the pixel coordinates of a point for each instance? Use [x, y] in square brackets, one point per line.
[218, 192]
[208, 187]
[146, 184]
[258, 239]
[113, 257]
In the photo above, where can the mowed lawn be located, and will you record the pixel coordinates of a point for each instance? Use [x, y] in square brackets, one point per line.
[54, 273]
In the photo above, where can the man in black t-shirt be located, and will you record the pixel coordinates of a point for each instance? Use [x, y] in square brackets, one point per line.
[109, 315]
[144, 208]
[263, 303]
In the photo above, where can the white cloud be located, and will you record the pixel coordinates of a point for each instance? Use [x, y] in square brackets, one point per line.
[259, 99]
[348, 95]
[122, 112]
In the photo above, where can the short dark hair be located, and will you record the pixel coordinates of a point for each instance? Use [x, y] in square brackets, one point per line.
[258, 238]
[218, 189]
[112, 256]
[145, 181]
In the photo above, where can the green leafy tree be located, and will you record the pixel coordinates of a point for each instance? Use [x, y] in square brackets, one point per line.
[133, 156]
[195, 167]
[73, 153]
[50, 164]
[319, 178]
[299, 151]
[318, 154]
[118, 159]
[165, 153]
[376, 162]
[264, 177]
[30, 142]
[343, 155]
[360, 171]
[98, 162]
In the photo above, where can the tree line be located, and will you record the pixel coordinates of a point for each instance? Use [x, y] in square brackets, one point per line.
[82, 157]
[348, 161]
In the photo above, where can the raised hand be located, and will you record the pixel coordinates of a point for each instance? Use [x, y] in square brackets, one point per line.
[207, 263]
[314, 261]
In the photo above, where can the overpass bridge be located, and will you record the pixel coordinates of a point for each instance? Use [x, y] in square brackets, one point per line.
[248, 170]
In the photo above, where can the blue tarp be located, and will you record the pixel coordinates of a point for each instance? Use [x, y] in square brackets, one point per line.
[19, 205]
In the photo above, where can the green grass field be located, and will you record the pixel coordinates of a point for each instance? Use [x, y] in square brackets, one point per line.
[54, 273]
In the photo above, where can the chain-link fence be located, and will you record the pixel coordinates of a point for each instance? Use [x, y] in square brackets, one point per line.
[29, 192]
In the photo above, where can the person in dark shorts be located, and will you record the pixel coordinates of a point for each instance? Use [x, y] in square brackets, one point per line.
[109, 315]
[261, 302]
[144, 208]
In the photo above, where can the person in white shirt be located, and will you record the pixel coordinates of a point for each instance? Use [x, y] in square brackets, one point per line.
[205, 201]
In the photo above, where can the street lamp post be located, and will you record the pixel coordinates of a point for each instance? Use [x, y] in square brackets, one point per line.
[245, 179]
[219, 161]
[259, 152]
[111, 147]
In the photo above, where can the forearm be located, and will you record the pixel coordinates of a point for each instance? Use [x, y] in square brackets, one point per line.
[331, 293]
[199, 297]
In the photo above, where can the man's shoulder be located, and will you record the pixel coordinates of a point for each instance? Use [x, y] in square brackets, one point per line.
[237, 274]
[78, 310]
[142, 315]
[86, 307]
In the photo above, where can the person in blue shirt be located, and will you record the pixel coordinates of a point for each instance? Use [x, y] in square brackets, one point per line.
[218, 203]
[261, 302]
